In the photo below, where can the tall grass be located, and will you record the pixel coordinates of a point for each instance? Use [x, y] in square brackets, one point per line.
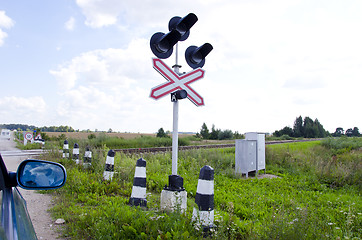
[299, 204]
[332, 161]
[103, 140]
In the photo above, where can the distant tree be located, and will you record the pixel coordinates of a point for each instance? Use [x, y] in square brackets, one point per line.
[161, 133]
[320, 131]
[339, 132]
[237, 135]
[309, 130]
[284, 131]
[306, 128]
[349, 132]
[110, 130]
[287, 131]
[214, 133]
[204, 132]
[276, 133]
[298, 127]
[355, 132]
[226, 134]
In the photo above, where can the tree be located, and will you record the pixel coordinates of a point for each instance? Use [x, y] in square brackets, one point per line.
[237, 135]
[349, 132]
[161, 133]
[285, 131]
[321, 132]
[308, 126]
[355, 132]
[298, 127]
[226, 134]
[339, 132]
[304, 128]
[204, 132]
[214, 133]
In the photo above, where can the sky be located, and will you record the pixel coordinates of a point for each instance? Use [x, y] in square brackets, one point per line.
[88, 64]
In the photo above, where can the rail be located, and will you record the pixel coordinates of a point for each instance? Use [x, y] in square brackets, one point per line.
[184, 148]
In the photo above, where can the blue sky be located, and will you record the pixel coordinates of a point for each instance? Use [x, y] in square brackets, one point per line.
[87, 64]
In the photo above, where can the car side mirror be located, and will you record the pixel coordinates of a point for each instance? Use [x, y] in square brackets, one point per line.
[40, 175]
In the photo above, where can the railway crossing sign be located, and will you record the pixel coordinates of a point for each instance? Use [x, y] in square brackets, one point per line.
[176, 82]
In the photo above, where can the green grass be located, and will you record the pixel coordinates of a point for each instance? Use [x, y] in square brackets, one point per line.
[103, 140]
[309, 200]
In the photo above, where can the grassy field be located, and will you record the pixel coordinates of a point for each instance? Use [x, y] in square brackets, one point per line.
[317, 195]
[84, 135]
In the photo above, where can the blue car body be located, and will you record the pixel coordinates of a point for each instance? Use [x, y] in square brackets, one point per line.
[15, 222]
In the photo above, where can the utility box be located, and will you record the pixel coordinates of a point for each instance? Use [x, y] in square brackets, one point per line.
[245, 156]
[260, 148]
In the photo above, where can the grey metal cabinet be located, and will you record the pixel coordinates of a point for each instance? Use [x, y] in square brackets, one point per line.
[260, 146]
[250, 153]
[245, 156]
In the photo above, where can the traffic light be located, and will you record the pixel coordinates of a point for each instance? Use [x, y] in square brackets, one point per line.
[162, 44]
[183, 25]
[195, 56]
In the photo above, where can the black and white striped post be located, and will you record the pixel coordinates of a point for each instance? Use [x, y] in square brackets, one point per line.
[204, 199]
[66, 149]
[87, 161]
[76, 153]
[138, 196]
[109, 167]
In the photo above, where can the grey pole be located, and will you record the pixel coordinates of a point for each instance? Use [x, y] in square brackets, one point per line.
[175, 124]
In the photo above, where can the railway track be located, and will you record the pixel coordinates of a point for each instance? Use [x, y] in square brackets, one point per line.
[185, 148]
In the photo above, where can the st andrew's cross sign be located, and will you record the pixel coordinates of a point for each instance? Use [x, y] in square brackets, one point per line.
[176, 82]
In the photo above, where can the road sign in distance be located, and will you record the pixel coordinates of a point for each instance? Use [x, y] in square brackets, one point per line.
[28, 136]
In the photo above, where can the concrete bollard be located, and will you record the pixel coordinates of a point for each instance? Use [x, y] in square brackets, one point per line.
[66, 149]
[204, 199]
[109, 167]
[138, 196]
[87, 160]
[76, 153]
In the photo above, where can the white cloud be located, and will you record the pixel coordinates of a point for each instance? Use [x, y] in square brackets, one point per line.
[70, 24]
[5, 22]
[104, 67]
[22, 109]
[104, 88]
[303, 82]
[100, 13]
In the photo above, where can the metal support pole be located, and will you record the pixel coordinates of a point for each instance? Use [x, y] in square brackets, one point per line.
[175, 122]
[175, 138]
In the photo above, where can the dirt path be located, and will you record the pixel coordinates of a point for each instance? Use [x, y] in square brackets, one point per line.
[37, 204]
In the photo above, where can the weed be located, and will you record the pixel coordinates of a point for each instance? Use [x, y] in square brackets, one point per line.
[317, 196]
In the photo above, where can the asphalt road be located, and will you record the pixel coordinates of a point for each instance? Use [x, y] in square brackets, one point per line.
[37, 204]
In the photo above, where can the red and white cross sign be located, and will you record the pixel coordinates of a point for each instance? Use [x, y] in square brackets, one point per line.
[176, 82]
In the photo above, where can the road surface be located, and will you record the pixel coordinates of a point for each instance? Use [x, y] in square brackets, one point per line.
[38, 204]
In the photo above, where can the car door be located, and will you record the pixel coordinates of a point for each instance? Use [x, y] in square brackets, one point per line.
[15, 222]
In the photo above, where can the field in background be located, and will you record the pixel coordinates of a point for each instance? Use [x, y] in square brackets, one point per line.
[84, 135]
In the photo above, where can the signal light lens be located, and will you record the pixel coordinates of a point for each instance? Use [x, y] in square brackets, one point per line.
[195, 56]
